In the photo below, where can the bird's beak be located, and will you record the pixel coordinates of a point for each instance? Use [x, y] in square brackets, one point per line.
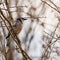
[23, 18]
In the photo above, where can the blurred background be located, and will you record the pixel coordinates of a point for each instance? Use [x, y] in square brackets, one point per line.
[39, 38]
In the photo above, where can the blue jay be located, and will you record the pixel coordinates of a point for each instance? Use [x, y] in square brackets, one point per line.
[17, 26]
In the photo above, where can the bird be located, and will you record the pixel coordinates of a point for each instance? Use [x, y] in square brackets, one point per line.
[17, 26]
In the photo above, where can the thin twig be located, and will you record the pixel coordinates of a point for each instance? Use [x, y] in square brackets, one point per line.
[16, 39]
[51, 6]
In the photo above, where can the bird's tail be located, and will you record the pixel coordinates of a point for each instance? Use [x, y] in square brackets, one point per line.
[8, 35]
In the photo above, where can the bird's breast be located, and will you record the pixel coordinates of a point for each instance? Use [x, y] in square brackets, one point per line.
[18, 29]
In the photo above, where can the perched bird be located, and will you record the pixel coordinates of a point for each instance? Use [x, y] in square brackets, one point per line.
[17, 26]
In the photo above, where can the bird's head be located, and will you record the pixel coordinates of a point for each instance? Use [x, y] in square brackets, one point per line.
[20, 19]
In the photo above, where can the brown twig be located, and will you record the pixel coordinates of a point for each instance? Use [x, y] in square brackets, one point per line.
[16, 39]
[51, 6]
